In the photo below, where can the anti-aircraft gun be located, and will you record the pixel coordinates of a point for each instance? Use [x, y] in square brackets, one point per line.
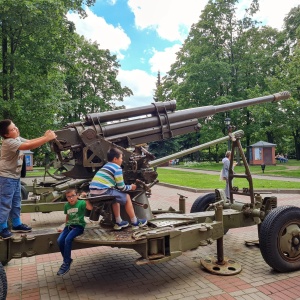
[83, 145]
[87, 141]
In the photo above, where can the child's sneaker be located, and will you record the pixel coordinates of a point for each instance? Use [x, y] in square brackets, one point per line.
[64, 269]
[139, 223]
[21, 228]
[122, 224]
[5, 234]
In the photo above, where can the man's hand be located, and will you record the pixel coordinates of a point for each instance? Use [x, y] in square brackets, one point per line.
[50, 135]
[133, 187]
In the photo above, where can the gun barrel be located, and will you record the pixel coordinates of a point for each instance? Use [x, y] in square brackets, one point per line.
[156, 122]
[109, 116]
[159, 161]
[184, 115]
[203, 112]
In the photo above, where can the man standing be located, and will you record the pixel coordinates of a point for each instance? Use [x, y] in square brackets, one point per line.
[11, 161]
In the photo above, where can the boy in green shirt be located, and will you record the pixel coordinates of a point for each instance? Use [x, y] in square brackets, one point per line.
[75, 224]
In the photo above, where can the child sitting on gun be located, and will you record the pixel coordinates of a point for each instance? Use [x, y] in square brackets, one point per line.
[109, 181]
[75, 224]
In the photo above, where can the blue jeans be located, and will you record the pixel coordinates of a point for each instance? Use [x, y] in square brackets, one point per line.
[65, 240]
[10, 201]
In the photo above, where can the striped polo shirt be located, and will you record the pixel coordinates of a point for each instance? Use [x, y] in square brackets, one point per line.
[109, 176]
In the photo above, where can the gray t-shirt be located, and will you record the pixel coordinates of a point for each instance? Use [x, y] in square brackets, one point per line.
[11, 158]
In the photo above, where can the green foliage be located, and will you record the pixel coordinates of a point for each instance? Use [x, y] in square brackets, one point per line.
[164, 148]
[50, 75]
[91, 82]
[226, 59]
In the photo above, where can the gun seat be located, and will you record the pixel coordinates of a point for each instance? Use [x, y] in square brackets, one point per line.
[101, 206]
[100, 198]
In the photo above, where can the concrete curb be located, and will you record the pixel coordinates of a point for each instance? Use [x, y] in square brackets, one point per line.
[262, 191]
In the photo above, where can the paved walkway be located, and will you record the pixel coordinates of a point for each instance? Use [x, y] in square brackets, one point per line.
[110, 273]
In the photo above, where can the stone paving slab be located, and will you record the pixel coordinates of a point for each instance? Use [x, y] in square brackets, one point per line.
[111, 273]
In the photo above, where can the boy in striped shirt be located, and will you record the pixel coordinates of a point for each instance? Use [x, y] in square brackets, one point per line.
[109, 181]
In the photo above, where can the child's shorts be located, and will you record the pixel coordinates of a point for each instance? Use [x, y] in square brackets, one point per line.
[120, 196]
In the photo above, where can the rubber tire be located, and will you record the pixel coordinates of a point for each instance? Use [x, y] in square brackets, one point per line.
[272, 232]
[3, 283]
[24, 193]
[202, 203]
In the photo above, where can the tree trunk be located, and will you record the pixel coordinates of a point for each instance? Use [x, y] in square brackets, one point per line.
[270, 137]
[11, 70]
[296, 135]
[4, 61]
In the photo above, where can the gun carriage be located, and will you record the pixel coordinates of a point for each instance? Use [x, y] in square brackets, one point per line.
[82, 146]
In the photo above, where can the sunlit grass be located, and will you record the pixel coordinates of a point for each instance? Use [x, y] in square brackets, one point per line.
[206, 181]
[290, 169]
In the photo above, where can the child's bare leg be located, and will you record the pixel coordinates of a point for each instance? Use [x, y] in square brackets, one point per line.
[116, 210]
[129, 207]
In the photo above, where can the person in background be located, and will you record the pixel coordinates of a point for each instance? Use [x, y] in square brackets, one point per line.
[11, 161]
[109, 181]
[75, 211]
[225, 172]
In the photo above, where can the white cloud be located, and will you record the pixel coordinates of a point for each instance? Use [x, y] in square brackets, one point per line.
[272, 12]
[278, 9]
[162, 60]
[95, 28]
[142, 85]
[171, 19]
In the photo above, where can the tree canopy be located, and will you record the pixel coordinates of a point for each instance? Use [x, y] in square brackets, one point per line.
[50, 75]
[226, 59]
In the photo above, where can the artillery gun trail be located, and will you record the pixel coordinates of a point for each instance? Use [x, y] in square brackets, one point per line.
[169, 233]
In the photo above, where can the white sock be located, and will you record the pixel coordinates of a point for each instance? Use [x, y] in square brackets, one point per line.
[134, 220]
[118, 219]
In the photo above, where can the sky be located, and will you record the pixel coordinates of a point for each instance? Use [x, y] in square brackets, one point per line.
[146, 34]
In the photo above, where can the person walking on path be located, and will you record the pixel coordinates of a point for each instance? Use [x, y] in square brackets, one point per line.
[225, 172]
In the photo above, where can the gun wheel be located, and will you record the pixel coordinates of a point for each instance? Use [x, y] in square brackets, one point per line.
[202, 203]
[3, 283]
[24, 193]
[279, 239]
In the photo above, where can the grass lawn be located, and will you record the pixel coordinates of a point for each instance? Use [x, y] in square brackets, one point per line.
[204, 181]
[289, 169]
[207, 181]
[38, 171]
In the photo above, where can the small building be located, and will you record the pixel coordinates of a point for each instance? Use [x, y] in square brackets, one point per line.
[262, 153]
[29, 160]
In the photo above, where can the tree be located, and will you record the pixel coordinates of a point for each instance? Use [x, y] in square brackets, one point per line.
[34, 36]
[91, 84]
[223, 60]
[48, 72]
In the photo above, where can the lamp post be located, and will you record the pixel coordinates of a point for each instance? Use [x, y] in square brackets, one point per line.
[227, 122]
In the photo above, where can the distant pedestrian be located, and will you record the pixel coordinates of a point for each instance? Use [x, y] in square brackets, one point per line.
[225, 172]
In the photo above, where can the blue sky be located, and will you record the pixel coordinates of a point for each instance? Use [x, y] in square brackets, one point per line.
[146, 34]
